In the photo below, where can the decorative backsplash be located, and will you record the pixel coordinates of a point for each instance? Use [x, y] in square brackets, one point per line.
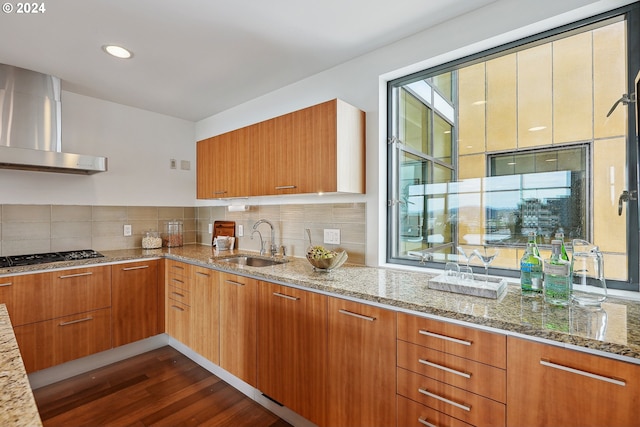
[44, 228]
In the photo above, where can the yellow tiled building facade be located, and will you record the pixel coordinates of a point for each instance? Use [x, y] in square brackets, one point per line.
[551, 95]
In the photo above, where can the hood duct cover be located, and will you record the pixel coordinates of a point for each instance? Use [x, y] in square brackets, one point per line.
[30, 131]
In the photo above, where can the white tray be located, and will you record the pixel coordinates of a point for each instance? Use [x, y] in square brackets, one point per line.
[493, 288]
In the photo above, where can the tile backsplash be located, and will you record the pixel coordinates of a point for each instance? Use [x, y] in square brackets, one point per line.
[44, 228]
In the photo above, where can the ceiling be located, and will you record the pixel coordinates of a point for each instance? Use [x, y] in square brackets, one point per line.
[195, 58]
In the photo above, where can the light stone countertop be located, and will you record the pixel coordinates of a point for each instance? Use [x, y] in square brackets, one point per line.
[17, 404]
[613, 330]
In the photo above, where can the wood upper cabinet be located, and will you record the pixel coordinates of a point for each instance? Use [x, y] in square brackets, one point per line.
[549, 385]
[134, 305]
[292, 349]
[238, 326]
[319, 149]
[361, 365]
[205, 313]
[223, 165]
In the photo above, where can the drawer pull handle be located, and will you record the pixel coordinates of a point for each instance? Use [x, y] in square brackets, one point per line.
[179, 294]
[425, 422]
[71, 322]
[139, 267]
[359, 316]
[176, 280]
[444, 337]
[583, 373]
[199, 273]
[69, 276]
[278, 294]
[219, 192]
[285, 187]
[175, 307]
[444, 399]
[179, 267]
[233, 282]
[6, 284]
[444, 368]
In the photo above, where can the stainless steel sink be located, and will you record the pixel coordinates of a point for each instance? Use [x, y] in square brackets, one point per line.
[252, 261]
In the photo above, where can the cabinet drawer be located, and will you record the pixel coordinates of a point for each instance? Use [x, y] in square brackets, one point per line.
[463, 405]
[180, 295]
[179, 282]
[178, 269]
[45, 296]
[178, 316]
[476, 377]
[413, 414]
[50, 343]
[470, 343]
[550, 385]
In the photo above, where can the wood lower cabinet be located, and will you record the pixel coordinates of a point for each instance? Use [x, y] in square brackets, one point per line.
[60, 315]
[205, 313]
[292, 349]
[178, 301]
[454, 372]
[238, 326]
[549, 385]
[361, 365]
[52, 342]
[134, 305]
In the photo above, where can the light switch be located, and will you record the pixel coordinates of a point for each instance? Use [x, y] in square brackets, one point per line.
[332, 236]
[127, 230]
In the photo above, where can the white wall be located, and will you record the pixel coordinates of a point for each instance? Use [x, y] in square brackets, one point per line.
[362, 82]
[138, 145]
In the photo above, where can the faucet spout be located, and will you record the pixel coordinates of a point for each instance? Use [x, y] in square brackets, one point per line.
[273, 248]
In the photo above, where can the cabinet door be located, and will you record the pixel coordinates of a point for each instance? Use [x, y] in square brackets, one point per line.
[134, 303]
[178, 317]
[361, 390]
[205, 309]
[222, 165]
[549, 385]
[52, 342]
[238, 326]
[292, 349]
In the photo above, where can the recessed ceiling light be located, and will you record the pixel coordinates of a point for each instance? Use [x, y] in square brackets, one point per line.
[117, 51]
[479, 103]
[536, 128]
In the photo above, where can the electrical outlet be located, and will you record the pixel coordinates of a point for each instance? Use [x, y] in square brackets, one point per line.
[240, 230]
[210, 228]
[127, 230]
[332, 236]
[172, 164]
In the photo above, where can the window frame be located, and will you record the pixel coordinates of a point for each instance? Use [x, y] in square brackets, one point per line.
[630, 13]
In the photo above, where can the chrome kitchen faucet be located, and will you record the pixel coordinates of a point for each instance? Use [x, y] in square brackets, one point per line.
[273, 249]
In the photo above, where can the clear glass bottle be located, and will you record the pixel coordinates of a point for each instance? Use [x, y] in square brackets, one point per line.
[557, 277]
[531, 268]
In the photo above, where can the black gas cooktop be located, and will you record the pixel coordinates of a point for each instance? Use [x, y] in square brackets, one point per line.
[20, 260]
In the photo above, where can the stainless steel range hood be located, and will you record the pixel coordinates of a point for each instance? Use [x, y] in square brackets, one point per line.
[30, 131]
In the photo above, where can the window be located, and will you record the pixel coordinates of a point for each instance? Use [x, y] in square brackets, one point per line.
[518, 139]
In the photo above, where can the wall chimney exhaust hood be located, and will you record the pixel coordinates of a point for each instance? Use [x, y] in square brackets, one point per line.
[30, 131]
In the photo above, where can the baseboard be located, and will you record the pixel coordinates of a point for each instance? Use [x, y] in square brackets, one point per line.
[253, 393]
[79, 366]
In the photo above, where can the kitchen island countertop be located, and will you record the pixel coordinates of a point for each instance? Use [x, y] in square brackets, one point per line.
[16, 399]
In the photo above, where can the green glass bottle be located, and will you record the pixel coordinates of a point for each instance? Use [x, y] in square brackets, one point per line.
[531, 268]
[557, 277]
[563, 250]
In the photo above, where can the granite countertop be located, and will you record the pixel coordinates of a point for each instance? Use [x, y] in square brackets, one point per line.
[16, 400]
[614, 329]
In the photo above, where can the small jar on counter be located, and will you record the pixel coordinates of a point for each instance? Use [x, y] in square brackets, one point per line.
[172, 236]
[151, 240]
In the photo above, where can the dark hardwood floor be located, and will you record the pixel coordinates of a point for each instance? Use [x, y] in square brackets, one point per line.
[158, 388]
